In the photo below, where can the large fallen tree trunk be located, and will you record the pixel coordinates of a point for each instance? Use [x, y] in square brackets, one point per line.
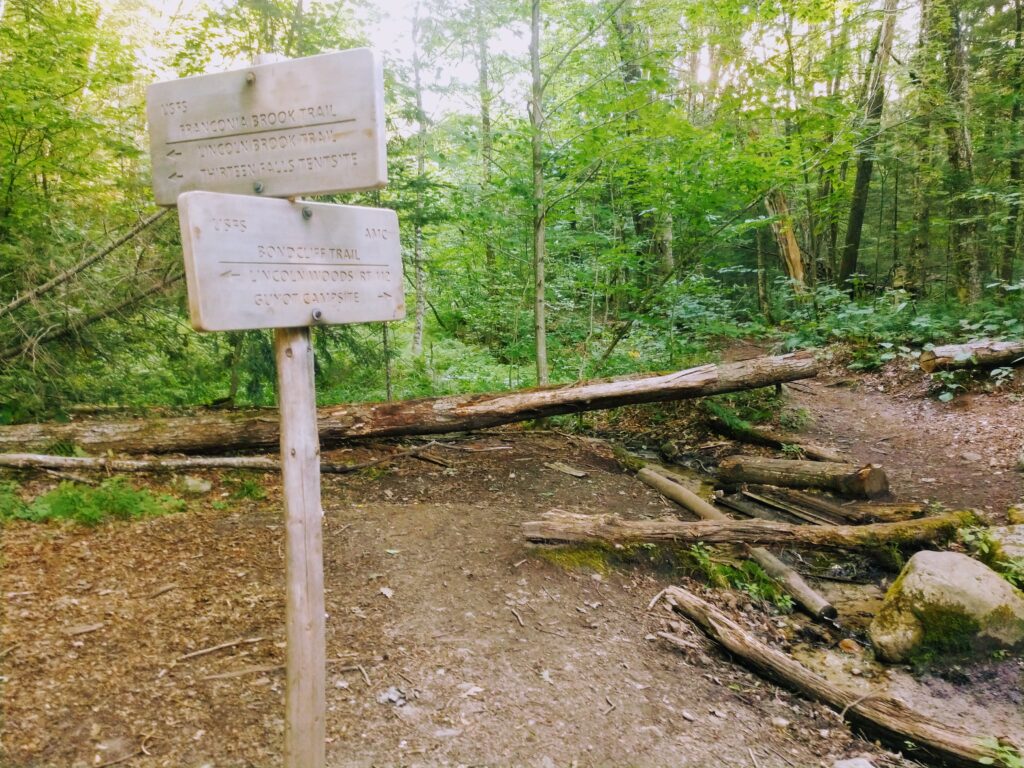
[225, 431]
[791, 581]
[981, 354]
[848, 479]
[562, 527]
[877, 711]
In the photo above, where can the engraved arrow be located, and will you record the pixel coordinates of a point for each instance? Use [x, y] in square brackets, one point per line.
[229, 273]
[175, 175]
[174, 153]
[382, 294]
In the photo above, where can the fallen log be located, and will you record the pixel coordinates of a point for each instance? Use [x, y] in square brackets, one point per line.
[791, 581]
[876, 712]
[749, 433]
[982, 353]
[848, 479]
[788, 499]
[253, 463]
[228, 431]
[569, 527]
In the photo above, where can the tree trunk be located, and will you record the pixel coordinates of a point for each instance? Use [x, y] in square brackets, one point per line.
[419, 279]
[484, 93]
[782, 226]
[569, 527]
[1011, 243]
[226, 431]
[960, 156]
[791, 581]
[974, 354]
[866, 152]
[848, 479]
[878, 711]
[539, 205]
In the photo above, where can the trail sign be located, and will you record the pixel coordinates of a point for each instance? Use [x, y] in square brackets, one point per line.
[280, 129]
[295, 127]
[253, 263]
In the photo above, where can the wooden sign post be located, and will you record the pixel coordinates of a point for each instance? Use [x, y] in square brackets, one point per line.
[295, 127]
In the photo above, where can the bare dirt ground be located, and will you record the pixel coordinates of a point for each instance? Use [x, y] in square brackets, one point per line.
[450, 642]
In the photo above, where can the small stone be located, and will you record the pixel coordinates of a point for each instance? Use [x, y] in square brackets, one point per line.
[971, 456]
[856, 762]
[392, 695]
[193, 484]
[849, 645]
[689, 717]
[780, 722]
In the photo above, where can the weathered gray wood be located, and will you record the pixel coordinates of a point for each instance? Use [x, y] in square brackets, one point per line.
[982, 353]
[253, 263]
[558, 526]
[879, 711]
[301, 127]
[226, 430]
[253, 463]
[848, 479]
[790, 580]
[305, 698]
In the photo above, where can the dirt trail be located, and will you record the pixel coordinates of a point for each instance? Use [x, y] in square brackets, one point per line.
[962, 453]
[476, 650]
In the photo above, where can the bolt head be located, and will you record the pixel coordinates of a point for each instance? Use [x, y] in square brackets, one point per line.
[258, 187]
[307, 213]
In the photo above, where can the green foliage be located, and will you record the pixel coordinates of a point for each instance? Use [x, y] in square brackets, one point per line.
[747, 577]
[1006, 755]
[243, 487]
[113, 499]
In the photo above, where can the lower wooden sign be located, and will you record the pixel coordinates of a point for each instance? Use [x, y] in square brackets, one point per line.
[265, 263]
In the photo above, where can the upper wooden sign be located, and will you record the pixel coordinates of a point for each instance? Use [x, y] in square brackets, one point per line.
[253, 263]
[296, 127]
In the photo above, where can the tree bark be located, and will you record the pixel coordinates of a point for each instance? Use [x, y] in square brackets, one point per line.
[866, 151]
[782, 226]
[791, 581]
[568, 527]
[247, 430]
[848, 479]
[974, 354]
[878, 712]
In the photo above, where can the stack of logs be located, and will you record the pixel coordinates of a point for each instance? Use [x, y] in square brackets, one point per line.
[763, 490]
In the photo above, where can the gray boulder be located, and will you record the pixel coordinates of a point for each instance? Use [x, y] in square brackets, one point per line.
[947, 603]
[1010, 541]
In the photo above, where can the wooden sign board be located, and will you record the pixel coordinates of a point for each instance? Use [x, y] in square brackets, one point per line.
[301, 127]
[256, 263]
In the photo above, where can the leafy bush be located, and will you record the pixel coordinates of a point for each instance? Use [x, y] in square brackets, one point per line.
[113, 499]
[747, 577]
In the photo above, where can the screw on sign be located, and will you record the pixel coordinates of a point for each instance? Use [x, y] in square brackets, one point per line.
[278, 130]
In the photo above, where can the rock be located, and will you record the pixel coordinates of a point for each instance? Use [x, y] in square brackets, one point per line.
[1010, 541]
[855, 762]
[193, 484]
[1015, 514]
[971, 456]
[947, 603]
[849, 645]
